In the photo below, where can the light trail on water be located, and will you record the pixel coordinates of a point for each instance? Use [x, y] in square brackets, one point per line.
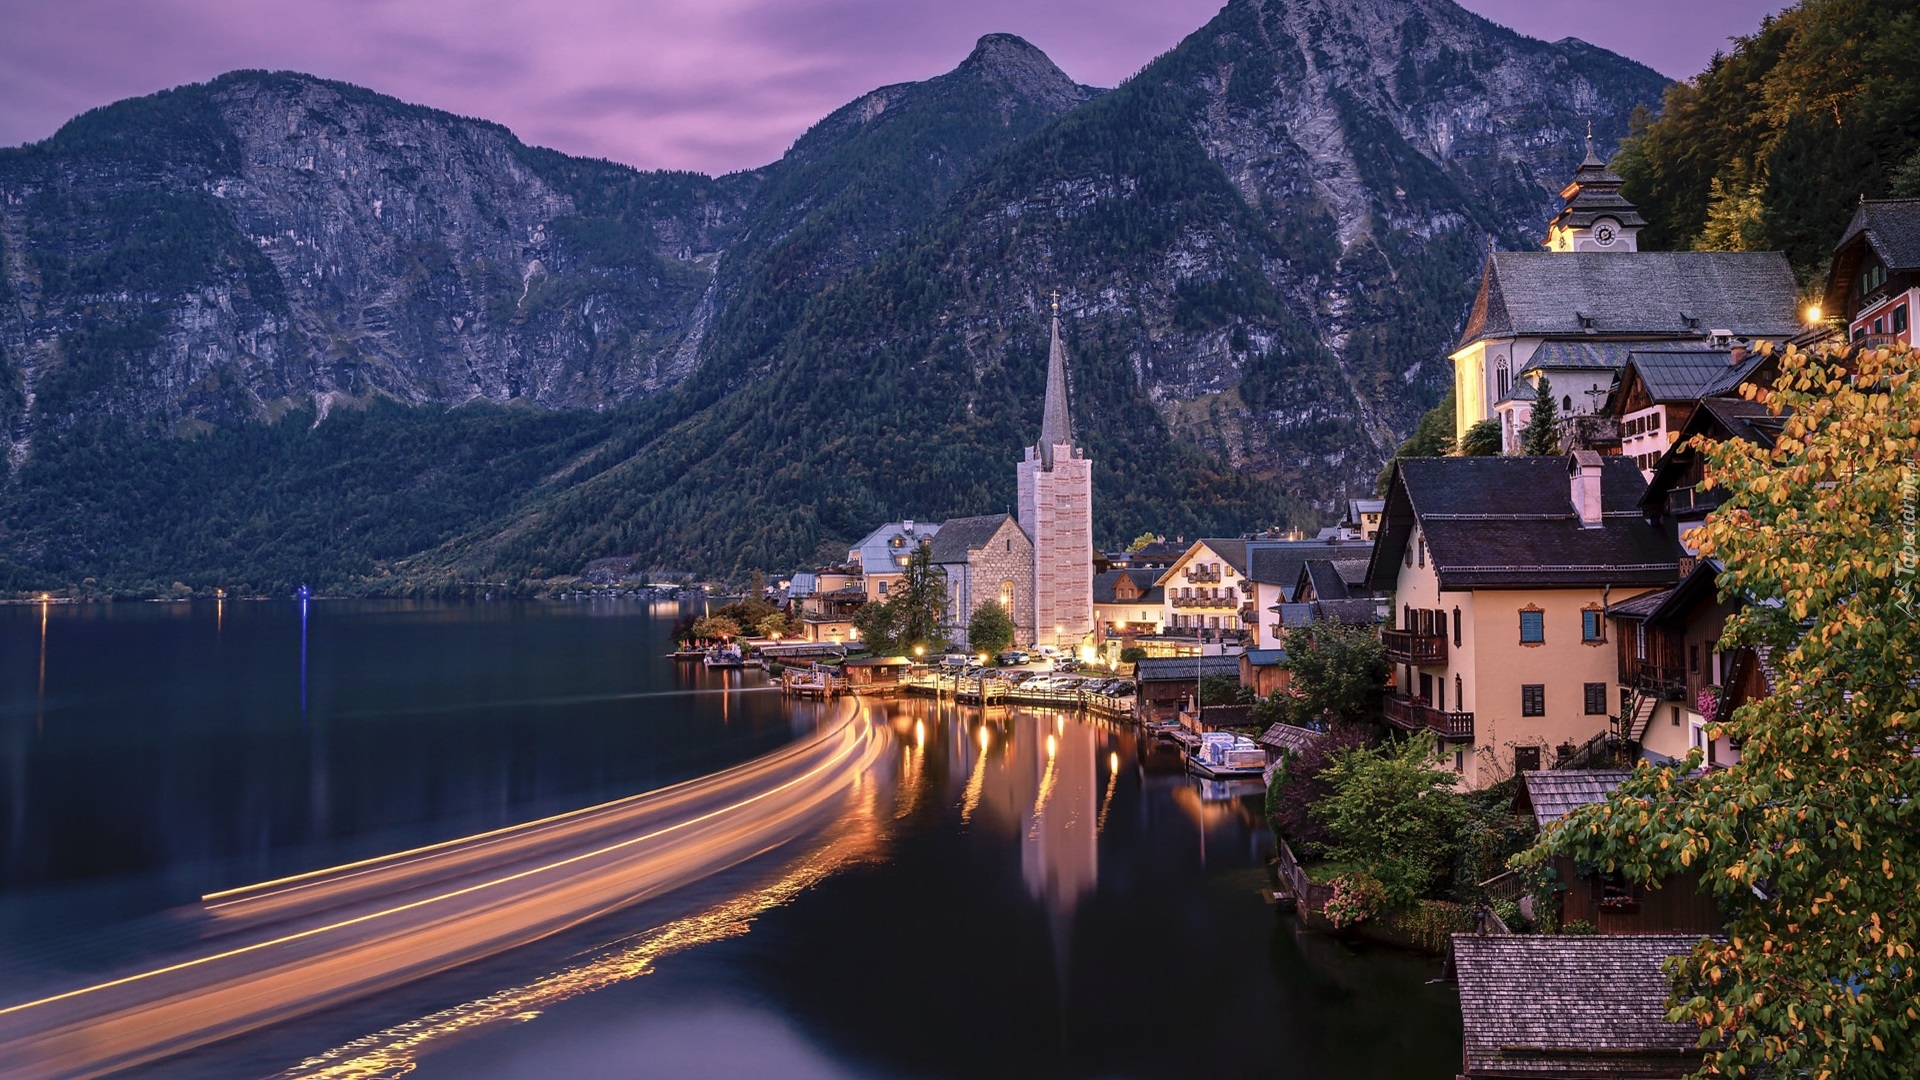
[280, 949]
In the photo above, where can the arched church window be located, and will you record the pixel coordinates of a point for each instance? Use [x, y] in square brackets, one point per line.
[1566, 403]
[1502, 376]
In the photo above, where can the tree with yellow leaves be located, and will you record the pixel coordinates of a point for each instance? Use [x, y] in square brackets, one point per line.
[1811, 842]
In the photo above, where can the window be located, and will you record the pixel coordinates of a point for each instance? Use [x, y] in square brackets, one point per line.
[1440, 617]
[1640, 641]
[1675, 719]
[1459, 694]
[1592, 627]
[1693, 659]
[1879, 326]
[1423, 551]
[1456, 628]
[1407, 555]
[1596, 699]
[883, 588]
[1533, 626]
[1406, 616]
[1566, 404]
[1533, 700]
[1900, 319]
[1504, 377]
[1526, 759]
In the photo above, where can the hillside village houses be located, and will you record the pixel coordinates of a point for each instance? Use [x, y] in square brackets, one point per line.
[1534, 608]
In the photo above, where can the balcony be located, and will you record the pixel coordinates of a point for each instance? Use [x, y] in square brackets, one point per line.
[1412, 714]
[1223, 603]
[1201, 574]
[1666, 681]
[1695, 500]
[1413, 647]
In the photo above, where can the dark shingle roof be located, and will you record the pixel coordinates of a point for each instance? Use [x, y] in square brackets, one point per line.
[1677, 293]
[1689, 372]
[1494, 522]
[1178, 668]
[1892, 229]
[1566, 355]
[1279, 562]
[1289, 739]
[1572, 1005]
[1641, 606]
[1143, 577]
[957, 536]
[1553, 794]
[1325, 578]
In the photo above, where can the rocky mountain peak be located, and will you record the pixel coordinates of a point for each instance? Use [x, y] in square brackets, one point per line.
[1015, 63]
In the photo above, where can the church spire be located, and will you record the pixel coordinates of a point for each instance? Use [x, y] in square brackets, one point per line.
[1056, 424]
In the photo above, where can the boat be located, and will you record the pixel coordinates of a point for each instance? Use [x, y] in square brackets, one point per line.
[688, 654]
[725, 656]
[1222, 755]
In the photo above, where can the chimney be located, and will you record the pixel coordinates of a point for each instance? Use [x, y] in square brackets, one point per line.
[1737, 354]
[907, 525]
[1583, 468]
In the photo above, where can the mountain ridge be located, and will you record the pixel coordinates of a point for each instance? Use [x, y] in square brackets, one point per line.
[1262, 243]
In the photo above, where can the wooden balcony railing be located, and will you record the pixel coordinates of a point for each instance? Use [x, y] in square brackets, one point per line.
[1694, 500]
[1416, 715]
[1201, 573]
[1667, 681]
[1413, 647]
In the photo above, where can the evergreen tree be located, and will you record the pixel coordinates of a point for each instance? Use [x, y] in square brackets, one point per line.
[1541, 436]
[1482, 439]
[991, 628]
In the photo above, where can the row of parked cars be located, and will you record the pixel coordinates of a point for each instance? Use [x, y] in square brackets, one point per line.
[1040, 680]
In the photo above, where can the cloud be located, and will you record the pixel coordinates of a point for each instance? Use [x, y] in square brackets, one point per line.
[712, 85]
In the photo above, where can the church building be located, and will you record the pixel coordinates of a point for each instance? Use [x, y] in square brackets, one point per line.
[1056, 510]
[1574, 312]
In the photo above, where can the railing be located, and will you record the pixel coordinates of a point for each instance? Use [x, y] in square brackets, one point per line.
[1200, 573]
[1667, 681]
[1206, 602]
[1589, 432]
[1413, 714]
[1695, 499]
[1413, 647]
[1309, 896]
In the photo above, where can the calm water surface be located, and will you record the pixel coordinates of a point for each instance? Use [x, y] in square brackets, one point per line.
[1019, 893]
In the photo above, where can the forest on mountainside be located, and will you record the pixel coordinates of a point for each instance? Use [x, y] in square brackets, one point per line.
[1772, 146]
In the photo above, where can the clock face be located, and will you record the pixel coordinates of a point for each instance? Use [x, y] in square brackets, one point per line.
[1603, 234]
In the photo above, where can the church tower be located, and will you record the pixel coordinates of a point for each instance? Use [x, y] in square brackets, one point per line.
[1597, 217]
[1056, 510]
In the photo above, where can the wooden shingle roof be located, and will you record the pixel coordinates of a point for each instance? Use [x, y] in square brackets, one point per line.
[1288, 739]
[1553, 794]
[1571, 1005]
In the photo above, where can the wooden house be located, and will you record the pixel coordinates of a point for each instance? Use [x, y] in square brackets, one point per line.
[1609, 902]
[876, 675]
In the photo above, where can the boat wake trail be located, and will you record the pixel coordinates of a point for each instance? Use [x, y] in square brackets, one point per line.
[283, 948]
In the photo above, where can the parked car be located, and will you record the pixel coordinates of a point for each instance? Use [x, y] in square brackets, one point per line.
[1013, 656]
[955, 660]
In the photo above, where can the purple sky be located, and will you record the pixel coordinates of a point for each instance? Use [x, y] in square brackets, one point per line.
[711, 85]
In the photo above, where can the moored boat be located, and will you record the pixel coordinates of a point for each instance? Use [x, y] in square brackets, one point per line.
[1223, 755]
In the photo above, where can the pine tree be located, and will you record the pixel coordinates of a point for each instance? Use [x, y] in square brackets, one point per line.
[1541, 436]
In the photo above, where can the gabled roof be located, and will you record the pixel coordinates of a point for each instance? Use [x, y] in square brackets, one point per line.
[1640, 607]
[1288, 739]
[875, 551]
[1639, 293]
[1571, 1005]
[1357, 507]
[1160, 553]
[1143, 577]
[1509, 522]
[1890, 228]
[1552, 794]
[958, 536]
[1332, 579]
[1687, 372]
[1232, 551]
[1723, 416]
[1178, 668]
[1279, 562]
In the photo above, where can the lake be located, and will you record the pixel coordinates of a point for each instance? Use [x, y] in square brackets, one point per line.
[1017, 892]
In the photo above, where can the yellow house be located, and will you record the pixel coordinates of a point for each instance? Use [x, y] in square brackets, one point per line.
[1205, 590]
[1501, 570]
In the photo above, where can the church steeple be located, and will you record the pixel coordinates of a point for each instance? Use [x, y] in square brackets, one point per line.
[1056, 422]
[1597, 217]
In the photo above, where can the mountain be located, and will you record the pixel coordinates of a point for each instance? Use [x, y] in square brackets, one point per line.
[1262, 242]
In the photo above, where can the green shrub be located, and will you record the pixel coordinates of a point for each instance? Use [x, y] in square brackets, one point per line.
[1357, 897]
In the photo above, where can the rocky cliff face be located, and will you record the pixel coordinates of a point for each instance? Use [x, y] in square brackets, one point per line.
[224, 252]
[1264, 243]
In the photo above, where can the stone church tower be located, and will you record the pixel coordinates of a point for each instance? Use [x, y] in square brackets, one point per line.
[1056, 510]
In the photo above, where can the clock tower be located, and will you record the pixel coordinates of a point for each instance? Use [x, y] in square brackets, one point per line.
[1597, 217]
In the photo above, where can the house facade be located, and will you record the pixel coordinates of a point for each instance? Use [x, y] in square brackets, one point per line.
[881, 556]
[1127, 602]
[1275, 570]
[1874, 287]
[1501, 570]
[1203, 594]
